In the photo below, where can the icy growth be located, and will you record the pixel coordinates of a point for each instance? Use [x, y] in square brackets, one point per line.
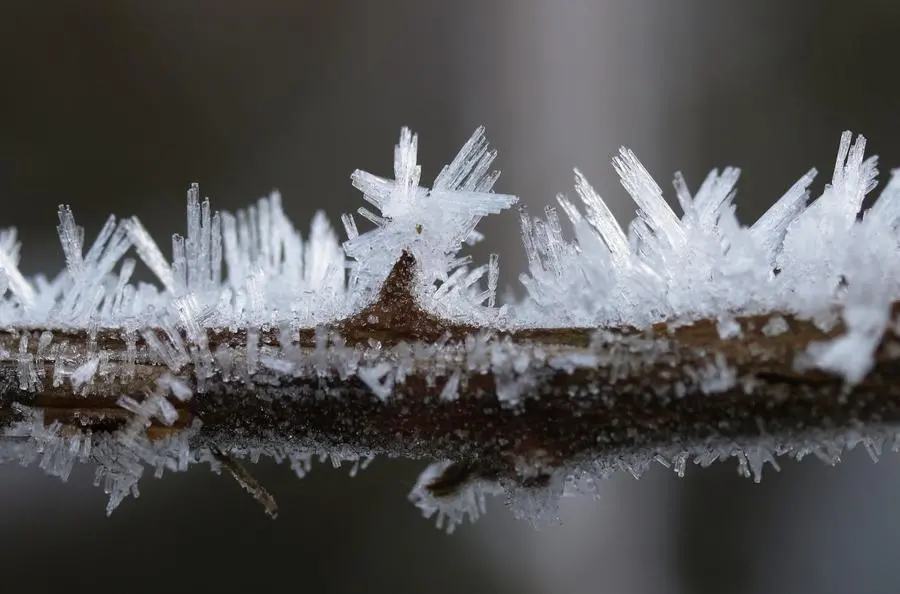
[431, 224]
[796, 258]
[775, 326]
[255, 269]
[468, 500]
[254, 274]
[872, 277]
[539, 505]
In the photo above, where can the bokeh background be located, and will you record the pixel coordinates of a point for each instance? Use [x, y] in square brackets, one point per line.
[116, 106]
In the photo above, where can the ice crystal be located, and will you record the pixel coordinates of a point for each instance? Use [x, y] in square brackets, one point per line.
[432, 224]
[467, 501]
[254, 271]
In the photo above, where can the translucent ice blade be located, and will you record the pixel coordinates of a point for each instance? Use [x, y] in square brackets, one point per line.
[150, 253]
[649, 198]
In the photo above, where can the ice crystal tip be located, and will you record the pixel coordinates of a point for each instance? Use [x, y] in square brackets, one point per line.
[252, 273]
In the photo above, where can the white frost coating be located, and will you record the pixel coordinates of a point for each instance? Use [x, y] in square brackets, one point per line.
[468, 500]
[797, 259]
[254, 271]
[431, 223]
[775, 326]
[13, 280]
[873, 282]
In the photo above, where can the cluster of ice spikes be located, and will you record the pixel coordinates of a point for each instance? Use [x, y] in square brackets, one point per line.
[798, 259]
[254, 271]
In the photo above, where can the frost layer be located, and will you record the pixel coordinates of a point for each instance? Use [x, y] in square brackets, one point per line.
[253, 271]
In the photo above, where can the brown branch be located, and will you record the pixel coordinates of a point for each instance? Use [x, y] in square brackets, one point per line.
[243, 477]
[663, 390]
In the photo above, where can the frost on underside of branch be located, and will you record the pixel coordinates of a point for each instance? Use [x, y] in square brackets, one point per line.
[684, 339]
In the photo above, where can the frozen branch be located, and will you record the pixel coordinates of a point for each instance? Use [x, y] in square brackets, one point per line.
[686, 339]
[610, 397]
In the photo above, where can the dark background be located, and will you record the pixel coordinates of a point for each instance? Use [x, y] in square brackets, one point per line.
[116, 106]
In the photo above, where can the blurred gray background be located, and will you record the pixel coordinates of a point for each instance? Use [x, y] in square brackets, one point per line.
[116, 106]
